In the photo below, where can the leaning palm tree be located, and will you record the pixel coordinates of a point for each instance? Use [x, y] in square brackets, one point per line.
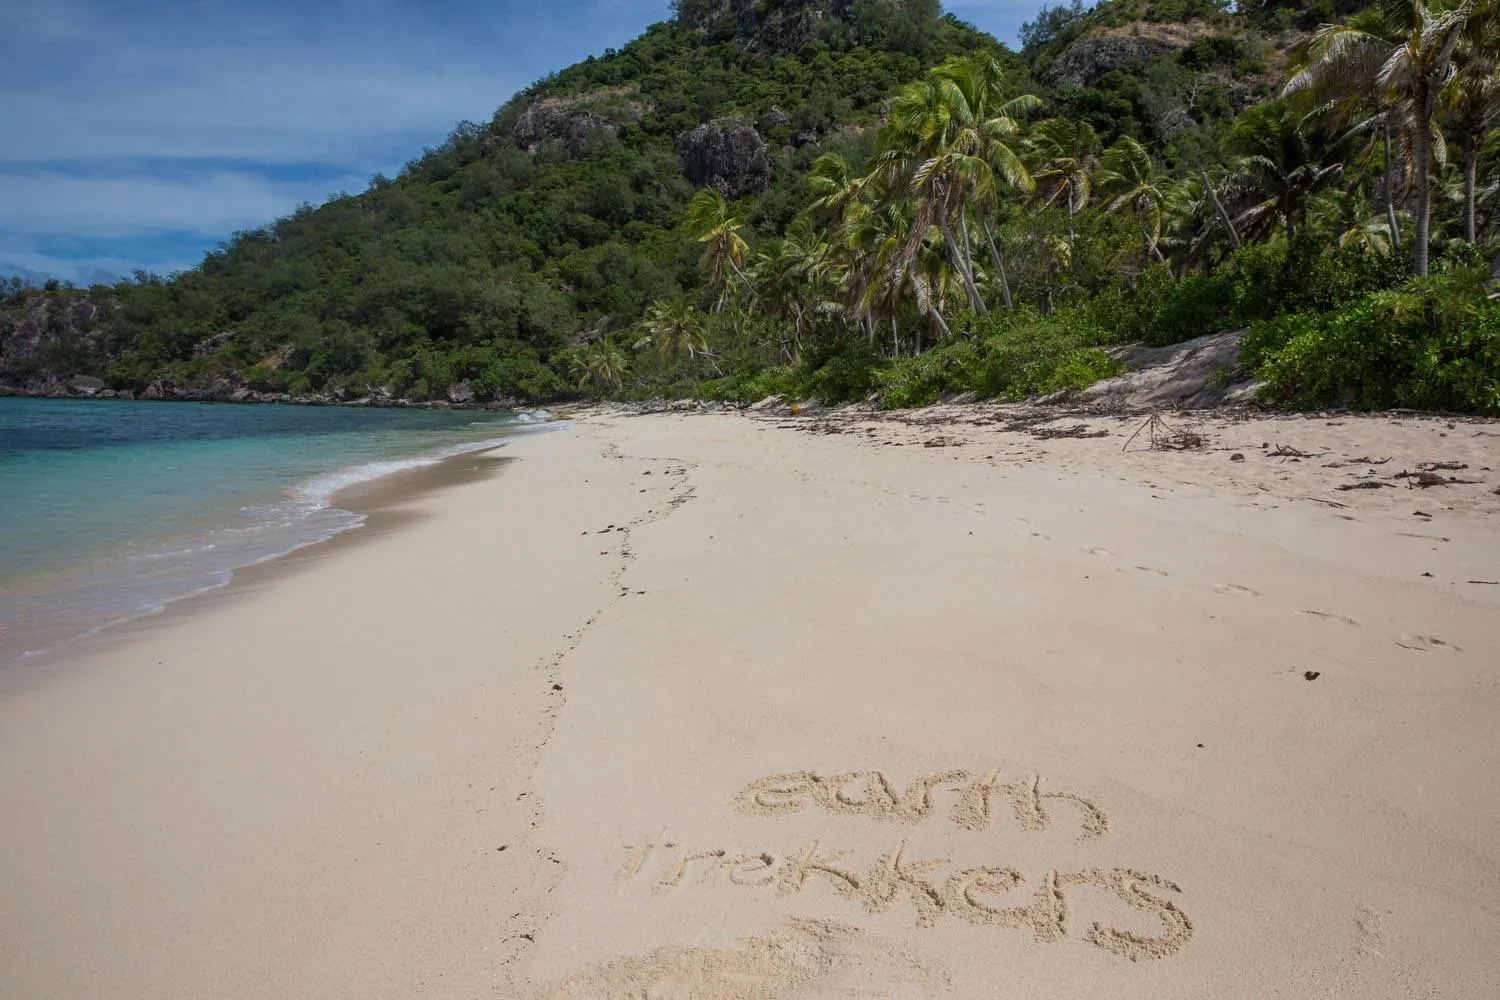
[712, 222]
[1066, 154]
[986, 122]
[1128, 180]
[918, 157]
[1405, 53]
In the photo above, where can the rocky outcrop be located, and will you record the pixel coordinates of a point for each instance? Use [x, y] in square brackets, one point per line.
[780, 27]
[727, 155]
[1196, 374]
[573, 127]
[573, 120]
[1087, 59]
[47, 327]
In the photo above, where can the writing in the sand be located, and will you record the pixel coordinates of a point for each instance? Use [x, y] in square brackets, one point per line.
[973, 895]
[935, 888]
[873, 795]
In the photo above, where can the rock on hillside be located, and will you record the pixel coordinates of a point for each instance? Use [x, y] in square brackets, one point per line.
[34, 337]
[756, 24]
[574, 119]
[727, 155]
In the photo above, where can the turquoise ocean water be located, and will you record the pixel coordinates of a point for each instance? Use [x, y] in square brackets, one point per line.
[110, 510]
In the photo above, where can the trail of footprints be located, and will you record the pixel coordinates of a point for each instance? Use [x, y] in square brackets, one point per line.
[1408, 640]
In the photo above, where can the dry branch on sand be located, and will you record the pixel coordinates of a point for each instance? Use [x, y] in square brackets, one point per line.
[1164, 437]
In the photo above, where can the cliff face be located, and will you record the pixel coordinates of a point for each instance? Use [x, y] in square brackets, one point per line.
[765, 25]
[726, 155]
[46, 337]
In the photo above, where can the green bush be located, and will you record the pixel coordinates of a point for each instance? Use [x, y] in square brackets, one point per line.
[1432, 345]
[1256, 283]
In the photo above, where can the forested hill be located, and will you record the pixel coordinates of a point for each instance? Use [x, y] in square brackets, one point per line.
[851, 198]
[555, 222]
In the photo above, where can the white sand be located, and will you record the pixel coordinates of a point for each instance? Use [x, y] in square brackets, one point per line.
[1006, 717]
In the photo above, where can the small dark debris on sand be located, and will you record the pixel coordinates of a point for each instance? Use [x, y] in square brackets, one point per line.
[1423, 478]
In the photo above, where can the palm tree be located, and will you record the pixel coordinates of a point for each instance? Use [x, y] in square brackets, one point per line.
[834, 186]
[603, 365]
[1405, 55]
[711, 221]
[918, 158]
[1066, 154]
[1472, 100]
[674, 327]
[988, 125]
[791, 275]
[1280, 168]
[1129, 181]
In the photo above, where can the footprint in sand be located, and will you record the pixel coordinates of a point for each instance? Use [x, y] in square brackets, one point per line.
[1141, 569]
[1099, 552]
[1426, 643]
[1329, 616]
[1236, 590]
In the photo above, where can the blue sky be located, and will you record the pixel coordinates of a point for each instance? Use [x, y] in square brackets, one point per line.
[139, 135]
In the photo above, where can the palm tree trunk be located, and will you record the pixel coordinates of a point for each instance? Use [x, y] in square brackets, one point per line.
[989, 238]
[1471, 177]
[963, 270]
[1213, 196]
[1421, 142]
[1390, 190]
[1155, 246]
[963, 228]
[895, 338]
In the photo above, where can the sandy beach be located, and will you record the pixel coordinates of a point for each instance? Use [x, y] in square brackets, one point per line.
[957, 703]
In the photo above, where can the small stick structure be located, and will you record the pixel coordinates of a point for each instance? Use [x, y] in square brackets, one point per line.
[1164, 437]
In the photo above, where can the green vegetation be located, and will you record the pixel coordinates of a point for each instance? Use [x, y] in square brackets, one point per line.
[930, 215]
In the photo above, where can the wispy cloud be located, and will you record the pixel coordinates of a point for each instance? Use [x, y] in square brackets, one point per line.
[211, 204]
[139, 135]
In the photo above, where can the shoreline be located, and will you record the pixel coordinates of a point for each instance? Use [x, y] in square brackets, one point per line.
[385, 505]
[654, 710]
[373, 497]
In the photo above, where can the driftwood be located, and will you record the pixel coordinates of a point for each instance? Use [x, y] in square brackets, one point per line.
[1164, 437]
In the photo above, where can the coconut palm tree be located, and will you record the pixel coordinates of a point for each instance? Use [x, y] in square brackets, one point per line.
[918, 157]
[712, 222]
[1065, 154]
[674, 328]
[602, 365]
[1404, 53]
[1280, 167]
[1472, 100]
[834, 186]
[987, 124]
[791, 275]
[1128, 180]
